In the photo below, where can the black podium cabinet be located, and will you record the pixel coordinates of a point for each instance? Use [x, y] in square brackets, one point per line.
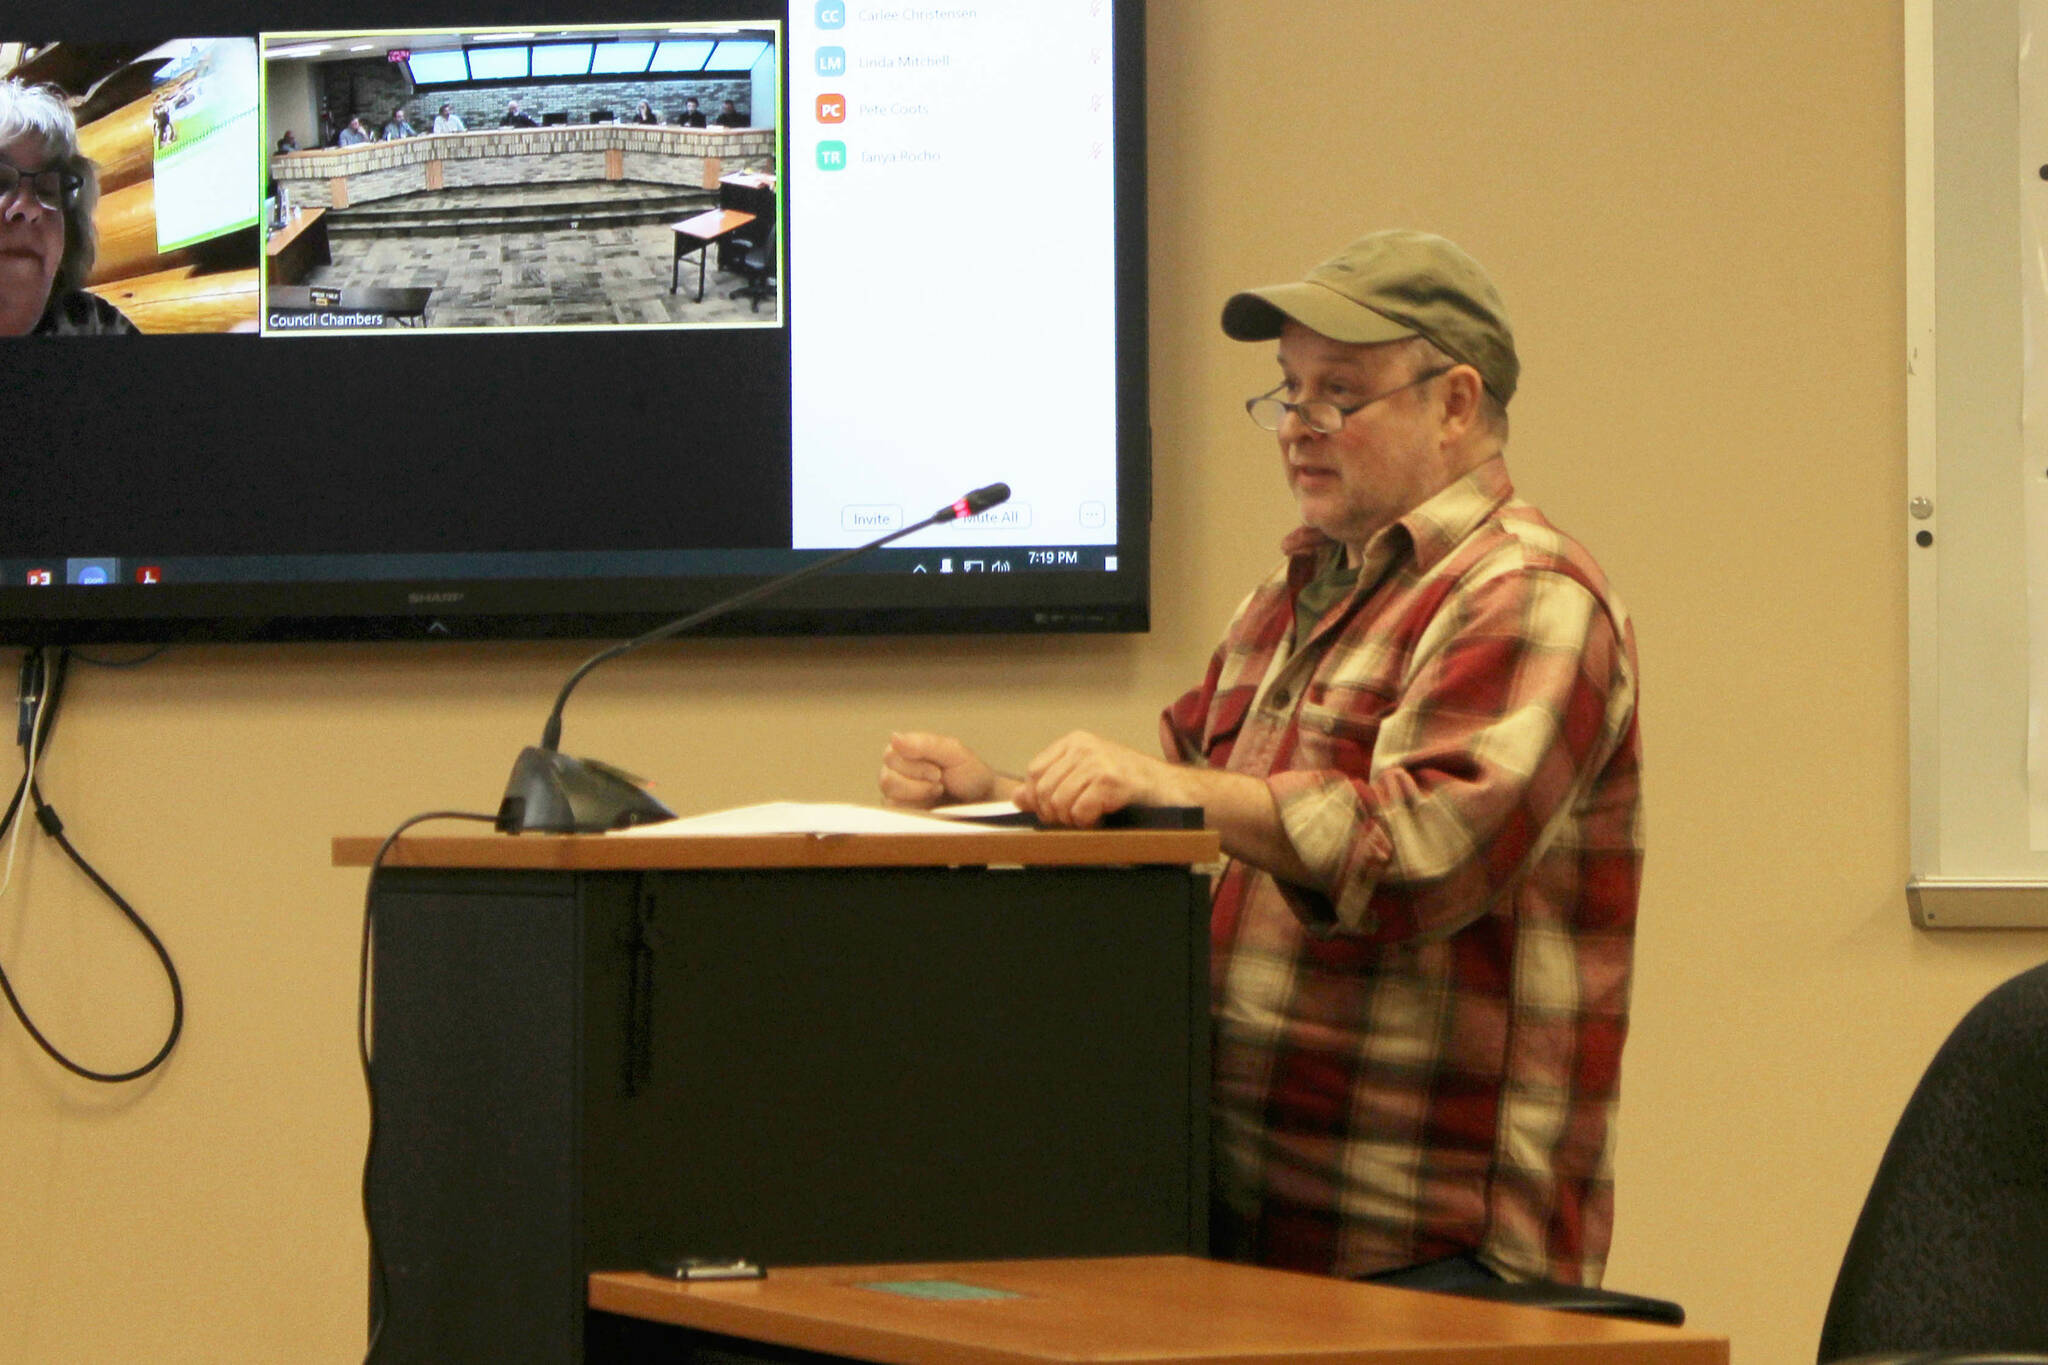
[593, 1054]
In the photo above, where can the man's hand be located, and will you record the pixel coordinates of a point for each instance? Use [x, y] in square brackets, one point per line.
[1081, 778]
[926, 770]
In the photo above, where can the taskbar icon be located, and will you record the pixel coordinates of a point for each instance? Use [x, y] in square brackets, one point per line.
[92, 573]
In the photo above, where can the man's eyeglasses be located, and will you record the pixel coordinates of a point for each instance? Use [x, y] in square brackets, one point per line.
[1323, 418]
[54, 189]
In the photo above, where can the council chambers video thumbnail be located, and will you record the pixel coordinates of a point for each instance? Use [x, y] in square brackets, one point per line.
[584, 177]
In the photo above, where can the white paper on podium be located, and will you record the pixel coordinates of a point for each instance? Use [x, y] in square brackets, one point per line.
[979, 810]
[802, 817]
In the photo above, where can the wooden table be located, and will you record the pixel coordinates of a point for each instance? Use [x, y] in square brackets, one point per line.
[297, 247]
[698, 234]
[1139, 1310]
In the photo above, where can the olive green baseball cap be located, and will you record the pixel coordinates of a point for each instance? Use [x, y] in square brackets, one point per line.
[1388, 286]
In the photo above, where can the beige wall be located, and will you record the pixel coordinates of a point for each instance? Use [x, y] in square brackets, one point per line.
[289, 103]
[1695, 214]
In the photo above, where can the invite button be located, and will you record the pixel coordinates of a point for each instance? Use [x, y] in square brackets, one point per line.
[870, 517]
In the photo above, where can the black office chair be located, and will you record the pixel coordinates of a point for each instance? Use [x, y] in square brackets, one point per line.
[1948, 1263]
[755, 245]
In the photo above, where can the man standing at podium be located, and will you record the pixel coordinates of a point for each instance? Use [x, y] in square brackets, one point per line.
[1418, 741]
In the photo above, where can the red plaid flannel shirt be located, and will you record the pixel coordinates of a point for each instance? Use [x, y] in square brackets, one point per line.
[1417, 1055]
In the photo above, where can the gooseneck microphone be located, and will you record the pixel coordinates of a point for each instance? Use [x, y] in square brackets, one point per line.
[553, 793]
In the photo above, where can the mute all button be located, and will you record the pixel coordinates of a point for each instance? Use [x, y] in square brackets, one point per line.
[870, 517]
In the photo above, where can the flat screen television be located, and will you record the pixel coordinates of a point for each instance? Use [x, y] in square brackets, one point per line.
[526, 318]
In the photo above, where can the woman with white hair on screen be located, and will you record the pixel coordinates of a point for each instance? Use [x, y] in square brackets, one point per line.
[48, 190]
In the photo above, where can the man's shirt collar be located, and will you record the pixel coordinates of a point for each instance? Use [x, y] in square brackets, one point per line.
[1432, 529]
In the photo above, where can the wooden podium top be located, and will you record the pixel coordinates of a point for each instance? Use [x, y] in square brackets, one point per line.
[656, 852]
[1145, 1310]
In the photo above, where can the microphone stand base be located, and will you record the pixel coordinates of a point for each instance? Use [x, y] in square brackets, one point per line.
[552, 793]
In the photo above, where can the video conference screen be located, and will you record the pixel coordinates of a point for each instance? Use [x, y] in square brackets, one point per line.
[483, 321]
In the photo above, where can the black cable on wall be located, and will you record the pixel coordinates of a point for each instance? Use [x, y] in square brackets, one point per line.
[42, 690]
